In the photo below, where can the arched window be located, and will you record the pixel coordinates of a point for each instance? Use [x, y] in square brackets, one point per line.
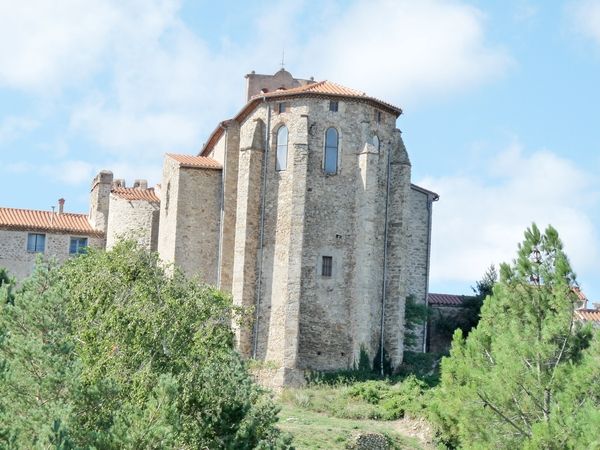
[282, 148]
[331, 151]
[376, 142]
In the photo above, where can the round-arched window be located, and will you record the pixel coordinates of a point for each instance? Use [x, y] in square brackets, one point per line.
[331, 151]
[282, 148]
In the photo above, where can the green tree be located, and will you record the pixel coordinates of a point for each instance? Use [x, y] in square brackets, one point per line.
[38, 365]
[473, 304]
[518, 378]
[129, 358]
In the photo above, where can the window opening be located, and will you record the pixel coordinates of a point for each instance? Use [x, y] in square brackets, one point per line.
[333, 106]
[281, 107]
[36, 243]
[78, 245]
[327, 266]
[331, 151]
[282, 148]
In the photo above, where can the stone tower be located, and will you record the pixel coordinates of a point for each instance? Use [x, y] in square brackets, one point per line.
[302, 207]
[99, 200]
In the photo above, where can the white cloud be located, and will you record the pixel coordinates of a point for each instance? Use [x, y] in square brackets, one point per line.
[162, 88]
[585, 15]
[406, 49]
[480, 218]
[72, 172]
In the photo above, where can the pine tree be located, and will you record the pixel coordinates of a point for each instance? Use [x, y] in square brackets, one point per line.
[506, 384]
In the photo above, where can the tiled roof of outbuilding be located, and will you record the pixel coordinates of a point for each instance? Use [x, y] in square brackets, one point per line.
[136, 194]
[34, 220]
[200, 162]
[588, 315]
[446, 299]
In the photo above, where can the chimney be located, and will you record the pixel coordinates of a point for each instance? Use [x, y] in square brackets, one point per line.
[61, 205]
[140, 184]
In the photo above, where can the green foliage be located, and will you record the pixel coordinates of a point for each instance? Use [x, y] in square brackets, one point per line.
[525, 375]
[37, 363]
[7, 284]
[468, 318]
[423, 366]
[128, 357]
[415, 316]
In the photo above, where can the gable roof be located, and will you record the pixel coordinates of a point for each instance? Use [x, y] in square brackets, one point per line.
[323, 88]
[46, 221]
[147, 194]
[195, 162]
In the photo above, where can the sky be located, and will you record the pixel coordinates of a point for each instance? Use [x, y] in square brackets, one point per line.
[500, 102]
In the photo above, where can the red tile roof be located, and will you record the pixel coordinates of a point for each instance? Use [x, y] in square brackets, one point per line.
[136, 194]
[200, 162]
[33, 220]
[446, 299]
[328, 88]
[322, 88]
[588, 315]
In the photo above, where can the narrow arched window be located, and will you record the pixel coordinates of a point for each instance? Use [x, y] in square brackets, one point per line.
[331, 151]
[282, 148]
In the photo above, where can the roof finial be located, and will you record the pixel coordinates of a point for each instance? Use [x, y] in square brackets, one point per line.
[283, 58]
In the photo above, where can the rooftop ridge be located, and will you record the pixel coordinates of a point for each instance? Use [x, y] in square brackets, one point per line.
[40, 220]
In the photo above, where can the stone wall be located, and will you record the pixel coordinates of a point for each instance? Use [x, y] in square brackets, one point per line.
[20, 263]
[306, 320]
[99, 200]
[190, 219]
[282, 79]
[133, 219]
[418, 252]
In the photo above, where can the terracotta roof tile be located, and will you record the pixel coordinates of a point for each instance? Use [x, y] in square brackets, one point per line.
[589, 315]
[321, 87]
[136, 194]
[33, 220]
[200, 162]
[327, 88]
[446, 299]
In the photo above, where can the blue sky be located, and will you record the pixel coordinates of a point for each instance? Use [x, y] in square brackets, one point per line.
[500, 102]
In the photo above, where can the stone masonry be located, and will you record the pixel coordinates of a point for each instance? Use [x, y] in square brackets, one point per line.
[268, 233]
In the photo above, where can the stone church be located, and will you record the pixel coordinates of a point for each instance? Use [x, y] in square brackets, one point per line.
[302, 207]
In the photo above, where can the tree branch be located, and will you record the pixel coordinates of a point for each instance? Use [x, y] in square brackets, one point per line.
[503, 416]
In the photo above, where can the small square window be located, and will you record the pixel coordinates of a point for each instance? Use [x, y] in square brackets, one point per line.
[78, 245]
[36, 243]
[333, 106]
[281, 107]
[327, 266]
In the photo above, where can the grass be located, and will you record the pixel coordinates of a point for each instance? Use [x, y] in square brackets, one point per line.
[313, 430]
[325, 415]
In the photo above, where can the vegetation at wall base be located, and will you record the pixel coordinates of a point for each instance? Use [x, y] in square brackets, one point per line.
[108, 352]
